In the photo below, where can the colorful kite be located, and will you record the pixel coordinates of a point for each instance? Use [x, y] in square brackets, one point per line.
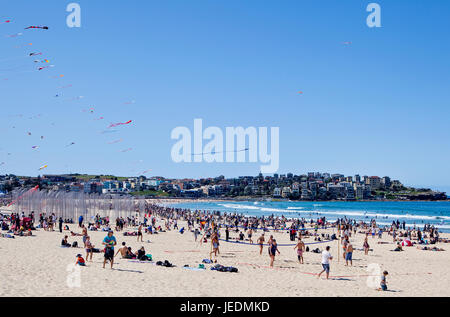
[35, 147]
[118, 124]
[7, 21]
[115, 141]
[43, 167]
[15, 35]
[37, 27]
[21, 196]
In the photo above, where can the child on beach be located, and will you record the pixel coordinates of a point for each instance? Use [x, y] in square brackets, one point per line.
[80, 261]
[383, 283]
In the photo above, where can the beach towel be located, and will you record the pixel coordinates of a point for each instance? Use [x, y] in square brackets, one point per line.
[193, 268]
[207, 261]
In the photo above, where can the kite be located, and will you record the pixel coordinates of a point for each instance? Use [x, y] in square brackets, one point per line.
[2, 163]
[29, 133]
[44, 67]
[37, 27]
[115, 141]
[19, 46]
[213, 152]
[43, 167]
[21, 196]
[35, 147]
[117, 124]
[60, 76]
[346, 43]
[7, 21]
[145, 172]
[129, 102]
[35, 54]
[68, 86]
[72, 143]
[42, 137]
[127, 150]
[300, 92]
[109, 131]
[43, 61]
[15, 35]
[101, 118]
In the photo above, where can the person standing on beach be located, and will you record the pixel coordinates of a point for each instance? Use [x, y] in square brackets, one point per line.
[109, 242]
[300, 249]
[227, 234]
[349, 254]
[250, 232]
[60, 224]
[273, 248]
[366, 246]
[80, 221]
[326, 257]
[139, 234]
[261, 243]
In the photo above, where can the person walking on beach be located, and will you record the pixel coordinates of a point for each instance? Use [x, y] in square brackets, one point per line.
[139, 233]
[273, 248]
[60, 224]
[326, 257]
[250, 231]
[349, 254]
[366, 246]
[80, 220]
[109, 242]
[261, 243]
[300, 249]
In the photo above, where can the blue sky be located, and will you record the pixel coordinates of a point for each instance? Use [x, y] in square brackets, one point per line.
[379, 106]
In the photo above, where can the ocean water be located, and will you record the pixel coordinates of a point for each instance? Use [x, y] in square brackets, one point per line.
[413, 213]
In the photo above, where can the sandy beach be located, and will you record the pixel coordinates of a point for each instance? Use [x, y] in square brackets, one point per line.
[38, 266]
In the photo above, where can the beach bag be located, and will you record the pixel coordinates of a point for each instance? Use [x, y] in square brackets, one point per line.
[75, 244]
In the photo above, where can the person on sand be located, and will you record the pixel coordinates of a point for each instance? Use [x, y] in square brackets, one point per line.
[383, 283]
[326, 257]
[89, 247]
[366, 246]
[140, 233]
[84, 234]
[349, 254]
[300, 249]
[80, 261]
[215, 246]
[273, 248]
[269, 243]
[109, 242]
[261, 243]
[250, 232]
[123, 251]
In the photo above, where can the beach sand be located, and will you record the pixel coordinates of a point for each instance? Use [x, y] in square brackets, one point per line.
[38, 266]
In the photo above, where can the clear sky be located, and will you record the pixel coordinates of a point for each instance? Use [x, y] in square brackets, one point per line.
[379, 106]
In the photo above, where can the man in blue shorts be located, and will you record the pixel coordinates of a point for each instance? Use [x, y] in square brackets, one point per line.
[326, 257]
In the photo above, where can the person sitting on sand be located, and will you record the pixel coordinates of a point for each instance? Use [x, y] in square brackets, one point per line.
[64, 242]
[124, 251]
[80, 261]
